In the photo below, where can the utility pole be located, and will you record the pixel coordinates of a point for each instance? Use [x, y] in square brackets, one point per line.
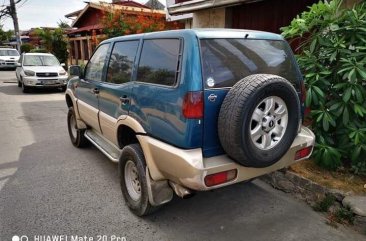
[13, 14]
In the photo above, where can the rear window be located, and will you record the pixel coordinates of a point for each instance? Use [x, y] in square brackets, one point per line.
[226, 61]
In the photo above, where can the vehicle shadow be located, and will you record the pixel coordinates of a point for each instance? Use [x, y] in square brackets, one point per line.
[13, 89]
[59, 189]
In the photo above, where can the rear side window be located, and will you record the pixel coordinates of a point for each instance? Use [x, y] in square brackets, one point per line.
[121, 62]
[226, 61]
[159, 61]
[94, 69]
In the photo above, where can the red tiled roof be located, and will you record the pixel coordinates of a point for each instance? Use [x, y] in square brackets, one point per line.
[131, 4]
[86, 28]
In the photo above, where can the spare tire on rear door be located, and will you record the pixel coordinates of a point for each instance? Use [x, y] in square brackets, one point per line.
[259, 119]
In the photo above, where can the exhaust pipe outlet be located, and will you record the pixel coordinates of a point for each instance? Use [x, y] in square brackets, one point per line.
[181, 191]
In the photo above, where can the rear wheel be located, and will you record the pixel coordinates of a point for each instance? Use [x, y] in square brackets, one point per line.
[76, 135]
[132, 167]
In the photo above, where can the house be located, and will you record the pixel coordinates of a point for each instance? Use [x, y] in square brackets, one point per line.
[88, 30]
[265, 15]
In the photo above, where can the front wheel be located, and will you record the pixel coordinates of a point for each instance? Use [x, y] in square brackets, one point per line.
[25, 89]
[134, 186]
[76, 135]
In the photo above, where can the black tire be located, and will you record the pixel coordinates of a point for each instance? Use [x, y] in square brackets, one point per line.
[77, 138]
[141, 206]
[235, 119]
[25, 89]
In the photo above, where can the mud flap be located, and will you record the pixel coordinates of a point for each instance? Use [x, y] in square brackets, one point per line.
[159, 191]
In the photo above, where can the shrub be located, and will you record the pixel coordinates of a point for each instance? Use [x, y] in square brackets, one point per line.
[39, 51]
[120, 22]
[26, 48]
[333, 59]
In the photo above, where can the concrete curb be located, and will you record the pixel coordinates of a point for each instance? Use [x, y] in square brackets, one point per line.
[313, 193]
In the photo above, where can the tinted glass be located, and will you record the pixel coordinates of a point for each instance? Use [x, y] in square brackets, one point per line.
[226, 61]
[40, 60]
[121, 62]
[159, 61]
[10, 52]
[94, 69]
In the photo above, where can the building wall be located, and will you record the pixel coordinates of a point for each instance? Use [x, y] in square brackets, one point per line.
[210, 18]
[90, 17]
[268, 15]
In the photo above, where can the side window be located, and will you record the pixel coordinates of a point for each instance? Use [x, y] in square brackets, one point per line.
[94, 69]
[159, 61]
[121, 62]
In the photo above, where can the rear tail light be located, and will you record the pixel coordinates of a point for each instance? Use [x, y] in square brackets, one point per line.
[220, 177]
[303, 152]
[193, 105]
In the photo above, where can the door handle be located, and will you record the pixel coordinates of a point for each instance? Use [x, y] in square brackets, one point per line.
[124, 100]
[96, 91]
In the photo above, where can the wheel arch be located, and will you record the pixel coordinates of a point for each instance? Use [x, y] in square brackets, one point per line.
[127, 130]
[69, 102]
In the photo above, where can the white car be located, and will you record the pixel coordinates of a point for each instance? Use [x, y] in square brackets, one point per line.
[8, 58]
[40, 70]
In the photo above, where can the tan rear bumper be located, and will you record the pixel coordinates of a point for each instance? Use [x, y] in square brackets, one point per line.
[188, 168]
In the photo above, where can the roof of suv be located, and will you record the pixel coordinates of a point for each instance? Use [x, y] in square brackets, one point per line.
[207, 33]
[45, 54]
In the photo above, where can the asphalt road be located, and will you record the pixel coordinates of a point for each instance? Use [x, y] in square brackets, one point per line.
[48, 187]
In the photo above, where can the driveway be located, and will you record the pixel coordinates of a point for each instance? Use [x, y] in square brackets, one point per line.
[48, 187]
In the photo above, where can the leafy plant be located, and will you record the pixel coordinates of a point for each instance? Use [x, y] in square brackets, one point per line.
[344, 215]
[5, 35]
[325, 204]
[121, 22]
[333, 60]
[26, 48]
[54, 41]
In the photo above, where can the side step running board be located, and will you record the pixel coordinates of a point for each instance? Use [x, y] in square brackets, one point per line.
[108, 149]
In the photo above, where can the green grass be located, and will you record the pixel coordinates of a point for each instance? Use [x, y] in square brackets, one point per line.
[325, 204]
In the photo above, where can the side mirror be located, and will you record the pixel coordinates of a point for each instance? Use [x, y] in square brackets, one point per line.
[63, 64]
[18, 65]
[75, 70]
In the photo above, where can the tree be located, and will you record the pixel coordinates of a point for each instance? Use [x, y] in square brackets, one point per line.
[54, 41]
[63, 24]
[5, 35]
[120, 22]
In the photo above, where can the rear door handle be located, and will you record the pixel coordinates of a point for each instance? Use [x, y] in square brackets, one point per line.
[96, 91]
[124, 100]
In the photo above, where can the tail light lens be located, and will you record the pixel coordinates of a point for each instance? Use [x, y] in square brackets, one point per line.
[193, 105]
[220, 177]
[303, 153]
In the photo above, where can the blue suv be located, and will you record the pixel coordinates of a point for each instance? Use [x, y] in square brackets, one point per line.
[190, 110]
